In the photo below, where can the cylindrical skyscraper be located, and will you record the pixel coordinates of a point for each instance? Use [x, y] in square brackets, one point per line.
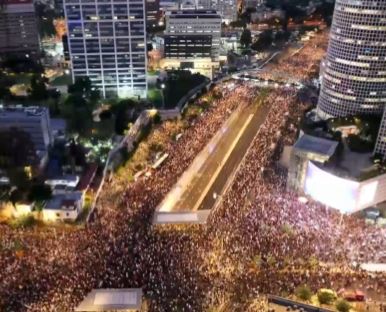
[354, 70]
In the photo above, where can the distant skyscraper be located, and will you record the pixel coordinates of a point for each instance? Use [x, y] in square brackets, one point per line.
[354, 70]
[227, 9]
[107, 42]
[18, 28]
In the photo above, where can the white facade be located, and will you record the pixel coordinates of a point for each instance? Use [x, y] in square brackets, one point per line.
[107, 43]
[64, 207]
[346, 195]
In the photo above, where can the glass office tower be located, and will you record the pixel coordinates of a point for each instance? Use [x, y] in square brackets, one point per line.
[107, 42]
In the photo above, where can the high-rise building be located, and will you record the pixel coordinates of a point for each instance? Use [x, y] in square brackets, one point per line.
[354, 70]
[336, 172]
[190, 33]
[380, 146]
[192, 41]
[18, 28]
[107, 43]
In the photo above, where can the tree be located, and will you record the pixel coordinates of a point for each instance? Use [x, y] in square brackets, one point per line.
[122, 118]
[15, 196]
[246, 38]
[39, 192]
[264, 41]
[80, 104]
[343, 306]
[5, 83]
[18, 178]
[16, 149]
[83, 88]
[325, 296]
[38, 90]
[304, 293]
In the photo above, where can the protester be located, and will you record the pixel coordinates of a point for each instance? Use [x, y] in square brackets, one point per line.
[259, 240]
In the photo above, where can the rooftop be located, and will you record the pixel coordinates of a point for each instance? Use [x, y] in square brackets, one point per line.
[111, 299]
[57, 202]
[316, 145]
[194, 14]
[196, 217]
[15, 111]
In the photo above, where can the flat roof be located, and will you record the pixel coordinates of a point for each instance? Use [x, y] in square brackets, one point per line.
[59, 200]
[316, 145]
[194, 14]
[188, 217]
[107, 299]
[18, 111]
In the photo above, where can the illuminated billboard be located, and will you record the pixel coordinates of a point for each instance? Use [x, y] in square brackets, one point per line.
[343, 194]
[330, 190]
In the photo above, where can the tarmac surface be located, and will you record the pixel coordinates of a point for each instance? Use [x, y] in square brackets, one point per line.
[210, 181]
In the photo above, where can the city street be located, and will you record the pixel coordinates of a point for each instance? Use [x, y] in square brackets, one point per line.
[204, 182]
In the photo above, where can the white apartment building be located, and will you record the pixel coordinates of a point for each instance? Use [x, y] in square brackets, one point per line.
[107, 43]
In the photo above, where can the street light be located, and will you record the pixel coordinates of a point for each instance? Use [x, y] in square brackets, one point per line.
[163, 86]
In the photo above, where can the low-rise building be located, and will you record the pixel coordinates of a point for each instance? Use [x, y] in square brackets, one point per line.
[64, 207]
[34, 121]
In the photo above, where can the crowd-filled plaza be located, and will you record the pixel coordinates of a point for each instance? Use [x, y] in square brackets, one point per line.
[259, 240]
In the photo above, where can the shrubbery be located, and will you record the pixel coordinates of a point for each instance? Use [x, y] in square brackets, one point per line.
[356, 144]
[326, 296]
[343, 306]
[304, 293]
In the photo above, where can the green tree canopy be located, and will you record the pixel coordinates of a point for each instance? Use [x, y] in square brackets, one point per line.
[304, 293]
[343, 306]
[80, 104]
[38, 90]
[264, 41]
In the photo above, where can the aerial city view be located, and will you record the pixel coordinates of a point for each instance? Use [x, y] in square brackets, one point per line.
[193, 155]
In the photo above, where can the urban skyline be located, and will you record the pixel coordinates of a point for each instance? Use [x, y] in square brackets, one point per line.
[192, 155]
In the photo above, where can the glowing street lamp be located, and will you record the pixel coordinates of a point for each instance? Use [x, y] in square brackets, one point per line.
[163, 86]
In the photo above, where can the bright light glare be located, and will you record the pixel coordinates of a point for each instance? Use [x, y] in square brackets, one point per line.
[331, 190]
[367, 193]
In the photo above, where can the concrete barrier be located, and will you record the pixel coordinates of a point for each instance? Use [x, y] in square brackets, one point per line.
[291, 303]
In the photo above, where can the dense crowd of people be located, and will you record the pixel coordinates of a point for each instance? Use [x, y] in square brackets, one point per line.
[299, 64]
[261, 239]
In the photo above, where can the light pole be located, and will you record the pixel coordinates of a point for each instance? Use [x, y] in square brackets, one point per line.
[163, 86]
